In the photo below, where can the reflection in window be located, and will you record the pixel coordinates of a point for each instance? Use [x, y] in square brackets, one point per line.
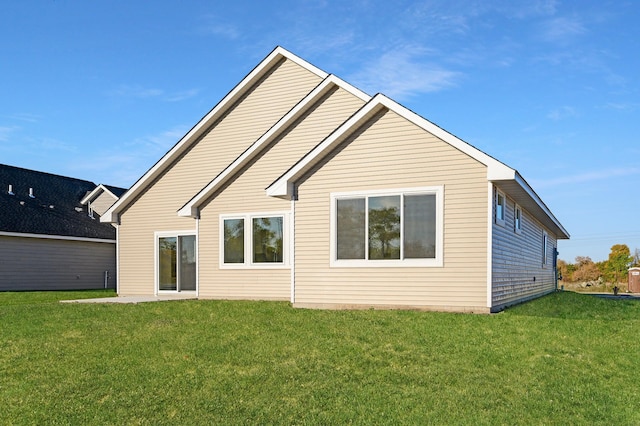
[384, 227]
[351, 228]
[268, 240]
[398, 226]
[234, 241]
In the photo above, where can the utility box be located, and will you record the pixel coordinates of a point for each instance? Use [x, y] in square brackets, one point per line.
[634, 280]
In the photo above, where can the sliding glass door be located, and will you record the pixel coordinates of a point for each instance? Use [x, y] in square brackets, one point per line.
[177, 263]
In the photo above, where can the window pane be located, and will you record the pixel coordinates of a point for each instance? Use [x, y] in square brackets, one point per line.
[420, 226]
[187, 246]
[500, 207]
[267, 240]
[350, 235]
[167, 274]
[234, 241]
[384, 227]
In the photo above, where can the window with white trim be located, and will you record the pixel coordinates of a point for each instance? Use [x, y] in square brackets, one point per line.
[501, 203]
[517, 219]
[545, 250]
[253, 240]
[387, 228]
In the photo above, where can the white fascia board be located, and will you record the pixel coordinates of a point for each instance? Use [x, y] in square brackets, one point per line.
[283, 186]
[524, 185]
[279, 53]
[91, 195]
[56, 237]
[495, 168]
[190, 209]
[94, 194]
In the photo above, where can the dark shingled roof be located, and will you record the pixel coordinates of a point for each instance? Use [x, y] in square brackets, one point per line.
[54, 209]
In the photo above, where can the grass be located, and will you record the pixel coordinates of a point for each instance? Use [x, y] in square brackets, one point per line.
[563, 359]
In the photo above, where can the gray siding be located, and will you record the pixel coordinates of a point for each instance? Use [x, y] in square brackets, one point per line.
[48, 264]
[518, 272]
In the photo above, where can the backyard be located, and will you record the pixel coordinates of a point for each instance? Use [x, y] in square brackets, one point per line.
[564, 359]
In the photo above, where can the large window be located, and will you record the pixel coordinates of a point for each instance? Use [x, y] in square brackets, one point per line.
[380, 228]
[253, 240]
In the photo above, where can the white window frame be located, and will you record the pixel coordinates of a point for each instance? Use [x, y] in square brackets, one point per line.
[545, 248]
[168, 234]
[438, 191]
[500, 220]
[248, 241]
[517, 223]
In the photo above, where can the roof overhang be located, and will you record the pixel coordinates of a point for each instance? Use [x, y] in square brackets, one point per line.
[190, 209]
[499, 173]
[284, 186]
[96, 192]
[521, 192]
[274, 58]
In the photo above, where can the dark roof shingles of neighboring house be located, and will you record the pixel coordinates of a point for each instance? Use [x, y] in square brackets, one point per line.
[115, 190]
[54, 209]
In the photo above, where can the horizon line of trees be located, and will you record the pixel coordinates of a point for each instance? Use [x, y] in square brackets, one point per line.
[613, 270]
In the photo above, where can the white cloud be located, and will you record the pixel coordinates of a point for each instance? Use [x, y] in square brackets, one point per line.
[5, 133]
[401, 73]
[562, 113]
[161, 142]
[598, 175]
[139, 92]
[561, 29]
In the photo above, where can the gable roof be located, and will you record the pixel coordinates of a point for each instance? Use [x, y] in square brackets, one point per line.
[331, 81]
[52, 209]
[114, 191]
[497, 172]
[203, 125]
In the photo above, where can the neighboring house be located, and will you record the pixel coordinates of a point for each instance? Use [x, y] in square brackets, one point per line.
[298, 186]
[48, 239]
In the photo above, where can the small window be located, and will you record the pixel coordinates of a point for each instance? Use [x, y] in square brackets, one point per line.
[545, 251]
[252, 240]
[500, 207]
[517, 219]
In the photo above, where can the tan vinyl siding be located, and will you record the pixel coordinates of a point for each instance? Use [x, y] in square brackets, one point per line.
[246, 194]
[518, 273]
[102, 202]
[48, 264]
[392, 153]
[155, 210]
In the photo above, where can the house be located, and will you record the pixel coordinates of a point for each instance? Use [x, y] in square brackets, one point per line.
[298, 186]
[49, 240]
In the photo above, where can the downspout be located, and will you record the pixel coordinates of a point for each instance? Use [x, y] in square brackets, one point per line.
[292, 248]
[198, 256]
[489, 245]
[117, 225]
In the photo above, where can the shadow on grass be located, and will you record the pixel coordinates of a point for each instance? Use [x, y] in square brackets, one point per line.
[570, 305]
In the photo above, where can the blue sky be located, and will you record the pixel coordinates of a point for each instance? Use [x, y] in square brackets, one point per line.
[100, 90]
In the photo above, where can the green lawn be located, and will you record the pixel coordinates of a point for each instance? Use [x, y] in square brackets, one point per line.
[563, 359]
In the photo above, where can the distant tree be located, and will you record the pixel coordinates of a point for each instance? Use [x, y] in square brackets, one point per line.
[636, 258]
[619, 260]
[586, 269]
[565, 270]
